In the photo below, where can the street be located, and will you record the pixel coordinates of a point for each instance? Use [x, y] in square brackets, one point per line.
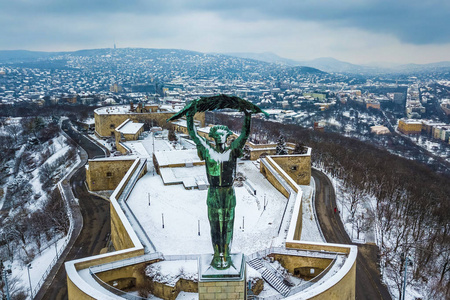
[96, 221]
[368, 283]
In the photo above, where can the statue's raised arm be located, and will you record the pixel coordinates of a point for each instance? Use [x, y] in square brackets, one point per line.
[239, 143]
[220, 164]
[218, 102]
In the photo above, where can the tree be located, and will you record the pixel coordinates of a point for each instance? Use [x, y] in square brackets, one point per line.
[300, 148]
[172, 136]
[14, 131]
[281, 146]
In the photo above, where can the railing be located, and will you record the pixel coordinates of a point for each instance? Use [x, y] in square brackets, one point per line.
[124, 197]
[61, 249]
[314, 280]
[182, 257]
[115, 291]
[132, 261]
[126, 262]
[295, 252]
[302, 286]
[286, 186]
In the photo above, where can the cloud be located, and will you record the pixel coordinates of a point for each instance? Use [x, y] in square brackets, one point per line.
[413, 21]
[350, 30]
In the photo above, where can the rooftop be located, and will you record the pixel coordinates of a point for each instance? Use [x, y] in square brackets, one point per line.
[129, 127]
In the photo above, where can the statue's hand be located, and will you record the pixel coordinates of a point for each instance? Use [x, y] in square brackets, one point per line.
[247, 113]
[192, 109]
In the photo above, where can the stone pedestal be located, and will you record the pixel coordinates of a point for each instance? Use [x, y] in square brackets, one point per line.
[222, 284]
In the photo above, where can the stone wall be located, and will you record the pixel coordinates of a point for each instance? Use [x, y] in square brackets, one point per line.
[168, 292]
[273, 180]
[222, 290]
[344, 289]
[105, 124]
[105, 174]
[295, 263]
[119, 235]
[74, 292]
[298, 167]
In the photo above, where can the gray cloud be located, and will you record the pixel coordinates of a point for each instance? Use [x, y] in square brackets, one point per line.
[416, 22]
[355, 30]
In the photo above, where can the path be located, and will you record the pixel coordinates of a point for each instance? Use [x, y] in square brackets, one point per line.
[368, 282]
[92, 211]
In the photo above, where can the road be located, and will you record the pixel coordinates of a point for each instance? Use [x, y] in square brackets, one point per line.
[96, 219]
[368, 283]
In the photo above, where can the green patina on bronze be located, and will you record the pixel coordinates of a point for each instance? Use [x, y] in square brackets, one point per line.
[220, 161]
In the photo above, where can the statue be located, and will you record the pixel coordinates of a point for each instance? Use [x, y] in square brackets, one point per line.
[220, 161]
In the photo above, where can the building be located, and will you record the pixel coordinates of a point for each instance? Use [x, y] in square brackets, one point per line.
[373, 104]
[115, 88]
[175, 181]
[409, 126]
[379, 129]
[399, 98]
[109, 117]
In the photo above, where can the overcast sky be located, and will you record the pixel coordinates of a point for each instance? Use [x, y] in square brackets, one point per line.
[357, 31]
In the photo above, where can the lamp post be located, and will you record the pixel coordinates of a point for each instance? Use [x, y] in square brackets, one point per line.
[5, 279]
[8, 297]
[29, 279]
[56, 249]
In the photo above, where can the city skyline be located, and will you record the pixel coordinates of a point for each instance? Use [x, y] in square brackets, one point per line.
[359, 32]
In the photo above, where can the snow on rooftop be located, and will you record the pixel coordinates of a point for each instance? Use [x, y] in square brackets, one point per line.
[166, 158]
[119, 109]
[182, 210]
[130, 127]
[188, 176]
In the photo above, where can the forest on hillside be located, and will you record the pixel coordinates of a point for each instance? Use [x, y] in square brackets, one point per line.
[412, 210]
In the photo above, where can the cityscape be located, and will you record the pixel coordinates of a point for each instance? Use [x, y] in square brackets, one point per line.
[224, 150]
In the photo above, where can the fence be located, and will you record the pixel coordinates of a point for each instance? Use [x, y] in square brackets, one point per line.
[132, 261]
[145, 239]
[302, 286]
[285, 185]
[62, 248]
[115, 291]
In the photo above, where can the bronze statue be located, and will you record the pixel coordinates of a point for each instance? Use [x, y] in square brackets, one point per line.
[220, 161]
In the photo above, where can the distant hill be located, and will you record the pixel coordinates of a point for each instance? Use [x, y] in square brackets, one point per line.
[23, 55]
[332, 65]
[326, 64]
[167, 61]
[265, 56]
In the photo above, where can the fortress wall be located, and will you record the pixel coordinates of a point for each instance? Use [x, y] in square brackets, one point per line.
[298, 167]
[289, 180]
[105, 124]
[119, 235]
[344, 289]
[120, 147]
[106, 174]
[74, 292]
[273, 180]
[124, 239]
[291, 262]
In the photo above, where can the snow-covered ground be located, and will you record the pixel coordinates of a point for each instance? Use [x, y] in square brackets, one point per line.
[44, 259]
[183, 210]
[310, 228]
[39, 266]
[369, 235]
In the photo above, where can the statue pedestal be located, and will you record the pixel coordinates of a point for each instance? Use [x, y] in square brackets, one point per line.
[222, 284]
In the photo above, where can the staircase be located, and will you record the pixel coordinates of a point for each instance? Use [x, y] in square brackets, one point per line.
[270, 276]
